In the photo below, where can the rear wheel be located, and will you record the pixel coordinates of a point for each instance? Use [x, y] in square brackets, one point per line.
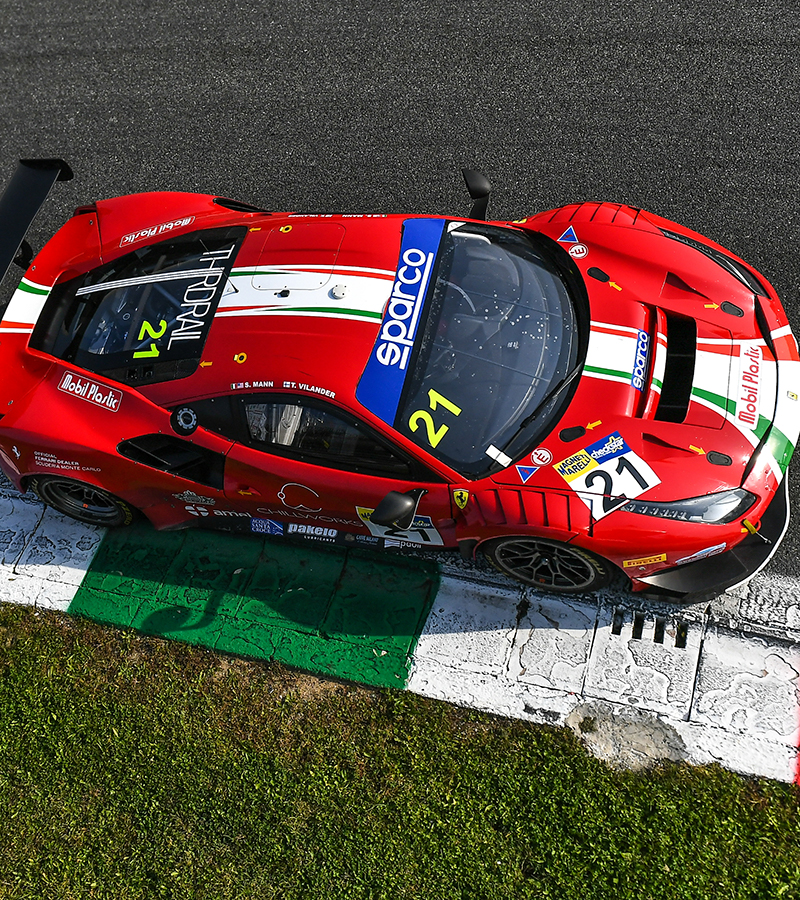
[83, 502]
[549, 564]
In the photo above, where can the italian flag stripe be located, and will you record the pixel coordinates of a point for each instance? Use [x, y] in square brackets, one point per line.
[415, 624]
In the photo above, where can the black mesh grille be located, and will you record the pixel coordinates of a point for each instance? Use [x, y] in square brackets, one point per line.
[676, 389]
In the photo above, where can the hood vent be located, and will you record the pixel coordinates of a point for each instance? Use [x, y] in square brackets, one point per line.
[676, 390]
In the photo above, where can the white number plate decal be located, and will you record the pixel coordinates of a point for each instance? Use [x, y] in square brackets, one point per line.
[607, 474]
[422, 530]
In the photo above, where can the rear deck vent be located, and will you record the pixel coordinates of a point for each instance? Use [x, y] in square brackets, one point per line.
[238, 205]
[676, 389]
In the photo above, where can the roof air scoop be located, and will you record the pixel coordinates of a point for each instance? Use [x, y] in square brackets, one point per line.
[479, 188]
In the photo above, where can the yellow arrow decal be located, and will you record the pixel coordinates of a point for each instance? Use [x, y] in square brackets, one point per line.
[592, 425]
[205, 363]
[697, 449]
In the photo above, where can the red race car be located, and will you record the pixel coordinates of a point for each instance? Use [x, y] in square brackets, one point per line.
[585, 391]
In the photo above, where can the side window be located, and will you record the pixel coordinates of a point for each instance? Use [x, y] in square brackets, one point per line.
[314, 434]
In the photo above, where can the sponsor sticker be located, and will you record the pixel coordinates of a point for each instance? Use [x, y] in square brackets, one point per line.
[422, 530]
[155, 230]
[298, 497]
[46, 460]
[606, 474]
[541, 456]
[640, 360]
[191, 497]
[644, 561]
[749, 385]
[91, 391]
[312, 516]
[364, 539]
[578, 251]
[569, 237]
[201, 512]
[266, 526]
[526, 472]
[382, 381]
[317, 532]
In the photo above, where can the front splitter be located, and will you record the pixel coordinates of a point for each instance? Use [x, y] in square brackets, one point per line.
[707, 578]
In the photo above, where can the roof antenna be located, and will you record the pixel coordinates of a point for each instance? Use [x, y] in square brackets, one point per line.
[479, 188]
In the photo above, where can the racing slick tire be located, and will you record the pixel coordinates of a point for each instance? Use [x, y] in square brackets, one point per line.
[81, 501]
[549, 565]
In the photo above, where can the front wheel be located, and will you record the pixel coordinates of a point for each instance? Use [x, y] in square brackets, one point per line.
[549, 565]
[80, 501]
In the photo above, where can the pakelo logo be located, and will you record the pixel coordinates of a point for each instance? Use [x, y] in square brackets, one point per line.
[312, 531]
[640, 362]
[747, 405]
[92, 391]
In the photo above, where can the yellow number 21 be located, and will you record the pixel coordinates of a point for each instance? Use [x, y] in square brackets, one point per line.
[422, 416]
[147, 330]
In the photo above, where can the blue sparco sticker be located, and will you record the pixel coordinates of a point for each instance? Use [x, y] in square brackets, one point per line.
[640, 362]
[382, 380]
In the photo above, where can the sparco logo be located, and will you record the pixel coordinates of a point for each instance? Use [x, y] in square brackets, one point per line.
[402, 316]
[749, 385]
[99, 394]
[640, 363]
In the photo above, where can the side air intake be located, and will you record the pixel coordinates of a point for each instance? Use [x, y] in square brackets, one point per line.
[676, 389]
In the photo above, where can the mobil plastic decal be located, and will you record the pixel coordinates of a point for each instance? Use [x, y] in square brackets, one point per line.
[382, 381]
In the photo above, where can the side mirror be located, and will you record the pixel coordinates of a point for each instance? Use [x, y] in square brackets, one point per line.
[398, 509]
[479, 188]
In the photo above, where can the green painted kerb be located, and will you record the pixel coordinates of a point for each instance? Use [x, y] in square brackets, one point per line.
[335, 611]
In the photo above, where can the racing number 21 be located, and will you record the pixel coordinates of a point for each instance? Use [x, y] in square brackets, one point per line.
[422, 416]
[610, 503]
[146, 331]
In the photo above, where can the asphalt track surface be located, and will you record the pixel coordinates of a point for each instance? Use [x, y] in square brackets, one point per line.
[685, 109]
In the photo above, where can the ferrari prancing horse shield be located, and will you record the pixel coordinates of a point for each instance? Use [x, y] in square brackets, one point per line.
[461, 497]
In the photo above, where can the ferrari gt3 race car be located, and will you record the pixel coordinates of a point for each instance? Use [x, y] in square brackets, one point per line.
[584, 392]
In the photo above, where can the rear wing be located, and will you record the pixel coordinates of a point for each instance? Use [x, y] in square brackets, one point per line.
[22, 199]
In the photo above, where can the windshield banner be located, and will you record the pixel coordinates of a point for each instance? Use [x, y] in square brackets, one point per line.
[382, 381]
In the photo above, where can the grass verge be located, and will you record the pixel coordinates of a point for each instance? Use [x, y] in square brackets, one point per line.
[132, 767]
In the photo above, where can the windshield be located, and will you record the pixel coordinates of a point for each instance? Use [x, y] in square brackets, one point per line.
[146, 315]
[501, 335]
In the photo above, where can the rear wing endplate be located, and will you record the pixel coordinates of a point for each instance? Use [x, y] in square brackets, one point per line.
[22, 199]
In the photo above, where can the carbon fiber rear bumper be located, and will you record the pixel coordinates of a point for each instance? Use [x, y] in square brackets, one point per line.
[706, 578]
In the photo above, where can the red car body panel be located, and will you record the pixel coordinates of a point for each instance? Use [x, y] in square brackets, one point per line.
[303, 318]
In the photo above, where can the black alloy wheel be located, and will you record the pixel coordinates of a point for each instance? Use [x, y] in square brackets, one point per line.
[80, 501]
[549, 565]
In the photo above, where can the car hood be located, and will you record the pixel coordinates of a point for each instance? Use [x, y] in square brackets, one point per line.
[677, 365]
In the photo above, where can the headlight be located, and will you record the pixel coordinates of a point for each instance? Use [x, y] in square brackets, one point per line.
[711, 509]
